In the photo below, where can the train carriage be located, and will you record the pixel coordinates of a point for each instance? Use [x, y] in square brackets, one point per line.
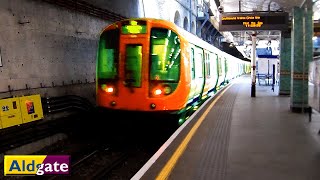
[151, 65]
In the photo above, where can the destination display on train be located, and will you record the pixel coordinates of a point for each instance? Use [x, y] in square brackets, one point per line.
[253, 21]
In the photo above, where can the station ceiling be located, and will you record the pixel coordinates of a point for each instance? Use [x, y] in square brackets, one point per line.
[243, 5]
[260, 5]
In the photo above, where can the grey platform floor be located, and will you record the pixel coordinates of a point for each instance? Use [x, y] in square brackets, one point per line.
[245, 138]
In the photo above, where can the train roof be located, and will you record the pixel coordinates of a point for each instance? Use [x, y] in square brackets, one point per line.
[186, 35]
[201, 43]
[196, 40]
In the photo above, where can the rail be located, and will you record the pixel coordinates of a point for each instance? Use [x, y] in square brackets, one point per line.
[66, 103]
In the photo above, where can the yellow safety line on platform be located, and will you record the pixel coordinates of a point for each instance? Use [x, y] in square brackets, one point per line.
[166, 170]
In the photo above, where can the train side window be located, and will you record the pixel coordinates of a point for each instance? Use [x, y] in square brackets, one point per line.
[199, 65]
[213, 67]
[193, 73]
[226, 65]
[219, 66]
[207, 64]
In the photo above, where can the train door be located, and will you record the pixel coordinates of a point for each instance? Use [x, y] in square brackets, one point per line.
[227, 70]
[207, 74]
[213, 69]
[219, 63]
[199, 72]
[133, 72]
[193, 75]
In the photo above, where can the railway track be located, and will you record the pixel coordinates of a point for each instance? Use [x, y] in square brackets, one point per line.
[112, 150]
[96, 164]
[106, 170]
[28, 134]
[100, 165]
[31, 132]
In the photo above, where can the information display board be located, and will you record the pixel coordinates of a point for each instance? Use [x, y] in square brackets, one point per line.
[253, 21]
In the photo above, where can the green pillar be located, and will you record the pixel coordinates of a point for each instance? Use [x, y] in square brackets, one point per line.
[285, 64]
[301, 55]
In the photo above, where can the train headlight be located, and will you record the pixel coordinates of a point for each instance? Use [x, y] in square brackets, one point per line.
[160, 90]
[107, 88]
[157, 92]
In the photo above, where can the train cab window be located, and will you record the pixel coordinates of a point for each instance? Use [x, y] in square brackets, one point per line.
[164, 55]
[107, 65]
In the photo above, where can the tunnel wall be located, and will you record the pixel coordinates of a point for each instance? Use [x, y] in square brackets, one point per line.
[51, 50]
[46, 49]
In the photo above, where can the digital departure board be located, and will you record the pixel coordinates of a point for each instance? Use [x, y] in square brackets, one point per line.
[253, 21]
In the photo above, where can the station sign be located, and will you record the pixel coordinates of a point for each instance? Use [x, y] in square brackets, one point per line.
[254, 21]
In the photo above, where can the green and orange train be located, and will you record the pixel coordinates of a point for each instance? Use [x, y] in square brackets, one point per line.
[152, 65]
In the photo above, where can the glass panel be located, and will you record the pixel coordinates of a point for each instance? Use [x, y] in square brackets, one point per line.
[133, 65]
[199, 65]
[213, 68]
[192, 64]
[108, 55]
[207, 64]
[220, 67]
[225, 65]
[164, 55]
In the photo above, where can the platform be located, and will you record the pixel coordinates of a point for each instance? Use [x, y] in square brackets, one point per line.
[241, 138]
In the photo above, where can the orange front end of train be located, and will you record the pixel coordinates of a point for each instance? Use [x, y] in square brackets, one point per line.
[140, 67]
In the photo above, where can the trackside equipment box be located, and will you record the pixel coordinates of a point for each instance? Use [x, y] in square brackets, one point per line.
[10, 114]
[31, 108]
[19, 110]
